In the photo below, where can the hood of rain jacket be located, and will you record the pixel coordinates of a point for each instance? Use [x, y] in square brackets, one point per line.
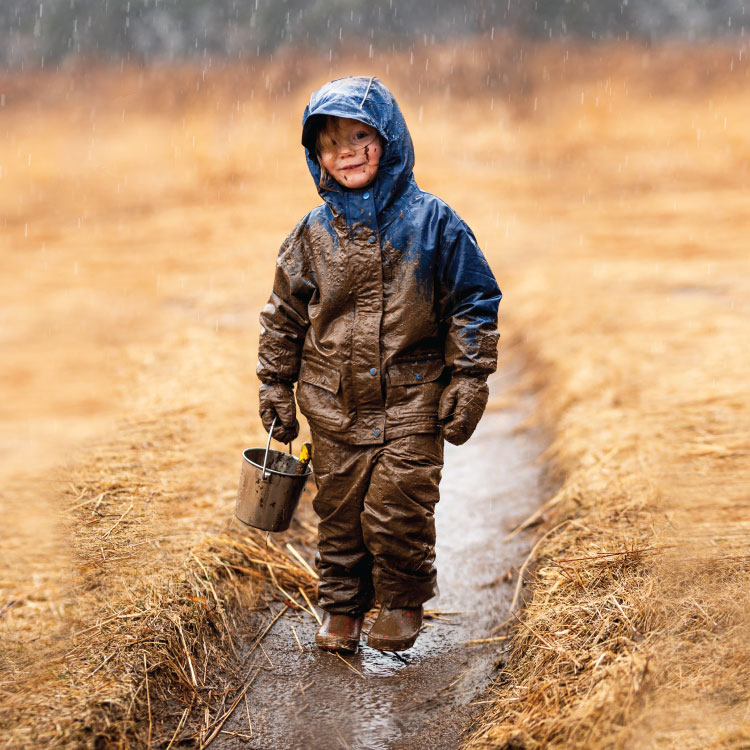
[381, 294]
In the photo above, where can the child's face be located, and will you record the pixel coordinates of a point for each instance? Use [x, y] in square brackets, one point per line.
[351, 152]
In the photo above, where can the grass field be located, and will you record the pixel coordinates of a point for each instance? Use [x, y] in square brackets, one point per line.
[141, 213]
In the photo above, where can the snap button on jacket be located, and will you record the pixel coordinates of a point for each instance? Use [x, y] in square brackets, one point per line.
[380, 294]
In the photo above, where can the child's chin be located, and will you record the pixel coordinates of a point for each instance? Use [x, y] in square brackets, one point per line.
[360, 182]
[356, 181]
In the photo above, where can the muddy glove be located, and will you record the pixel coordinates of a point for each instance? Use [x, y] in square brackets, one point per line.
[277, 399]
[461, 407]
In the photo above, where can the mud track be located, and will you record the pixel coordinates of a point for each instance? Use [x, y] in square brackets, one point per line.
[424, 697]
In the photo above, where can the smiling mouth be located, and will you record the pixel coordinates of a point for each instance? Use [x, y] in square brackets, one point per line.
[353, 166]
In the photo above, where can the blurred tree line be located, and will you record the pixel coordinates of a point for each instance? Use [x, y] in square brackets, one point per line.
[44, 32]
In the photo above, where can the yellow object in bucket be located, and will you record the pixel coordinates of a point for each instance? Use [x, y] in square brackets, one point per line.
[271, 483]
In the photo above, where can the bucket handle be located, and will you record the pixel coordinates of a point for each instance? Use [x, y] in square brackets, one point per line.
[265, 475]
[268, 445]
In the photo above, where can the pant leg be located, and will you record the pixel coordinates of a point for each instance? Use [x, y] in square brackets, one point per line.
[342, 474]
[398, 520]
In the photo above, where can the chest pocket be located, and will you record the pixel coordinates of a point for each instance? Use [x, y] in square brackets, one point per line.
[414, 387]
[319, 394]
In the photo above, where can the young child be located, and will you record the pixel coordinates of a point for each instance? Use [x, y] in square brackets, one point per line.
[384, 311]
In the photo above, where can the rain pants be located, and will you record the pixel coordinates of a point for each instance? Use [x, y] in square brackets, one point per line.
[381, 295]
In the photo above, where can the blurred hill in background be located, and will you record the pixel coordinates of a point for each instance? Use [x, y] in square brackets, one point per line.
[49, 31]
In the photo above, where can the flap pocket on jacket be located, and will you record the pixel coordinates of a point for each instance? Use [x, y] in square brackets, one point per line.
[416, 371]
[321, 375]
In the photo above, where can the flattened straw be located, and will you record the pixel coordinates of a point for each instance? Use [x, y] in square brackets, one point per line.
[268, 627]
[302, 561]
[300, 710]
[179, 726]
[187, 653]
[273, 577]
[309, 604]
[104, 622]
[280, 566]
[85, 502]
[229, 712]
[268, 658]
[287, 595]
[148, 701]
[310, 611]
[625, 553]
[354, 669]
[247, 713]
[117, 522]
[531, 555]
[534, 633]
[101, 665]
[535, 516]
[296, 638]
[622, 612]
[342, 740]
[484, 640]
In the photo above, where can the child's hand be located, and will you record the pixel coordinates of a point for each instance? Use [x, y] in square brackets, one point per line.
[461, 407]
[277, 400]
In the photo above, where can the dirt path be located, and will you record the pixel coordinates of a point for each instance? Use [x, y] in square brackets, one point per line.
[421, 699]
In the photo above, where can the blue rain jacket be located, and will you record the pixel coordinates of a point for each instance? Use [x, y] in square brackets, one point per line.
[381, 294]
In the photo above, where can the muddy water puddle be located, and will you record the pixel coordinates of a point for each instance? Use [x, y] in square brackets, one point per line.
[421, 698]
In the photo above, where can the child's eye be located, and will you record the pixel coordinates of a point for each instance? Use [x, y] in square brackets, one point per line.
[362, 134]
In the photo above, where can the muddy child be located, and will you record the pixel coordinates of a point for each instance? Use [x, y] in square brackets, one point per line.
[384, 312]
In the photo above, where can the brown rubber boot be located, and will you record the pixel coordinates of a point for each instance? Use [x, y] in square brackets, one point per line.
[395, 629]
[339, 632]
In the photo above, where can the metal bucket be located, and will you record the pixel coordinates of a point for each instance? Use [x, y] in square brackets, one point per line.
[270, 487]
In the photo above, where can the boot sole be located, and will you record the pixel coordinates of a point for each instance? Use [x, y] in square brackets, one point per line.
[391, 644]
[336, 643]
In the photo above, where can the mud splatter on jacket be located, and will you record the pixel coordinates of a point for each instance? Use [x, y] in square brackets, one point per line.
[380, 294]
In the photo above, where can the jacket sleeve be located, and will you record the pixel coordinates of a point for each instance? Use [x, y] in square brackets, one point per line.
[284, 320]
[469, 299]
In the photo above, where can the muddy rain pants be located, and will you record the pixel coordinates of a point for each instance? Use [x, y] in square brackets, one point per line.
[376, 535]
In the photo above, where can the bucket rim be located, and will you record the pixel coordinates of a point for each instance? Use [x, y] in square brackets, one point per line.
[269, 470]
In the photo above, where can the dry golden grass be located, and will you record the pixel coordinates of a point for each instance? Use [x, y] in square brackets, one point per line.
[635, 633]
[141, 213]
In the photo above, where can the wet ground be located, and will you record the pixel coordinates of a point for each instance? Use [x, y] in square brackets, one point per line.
[423, 697]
